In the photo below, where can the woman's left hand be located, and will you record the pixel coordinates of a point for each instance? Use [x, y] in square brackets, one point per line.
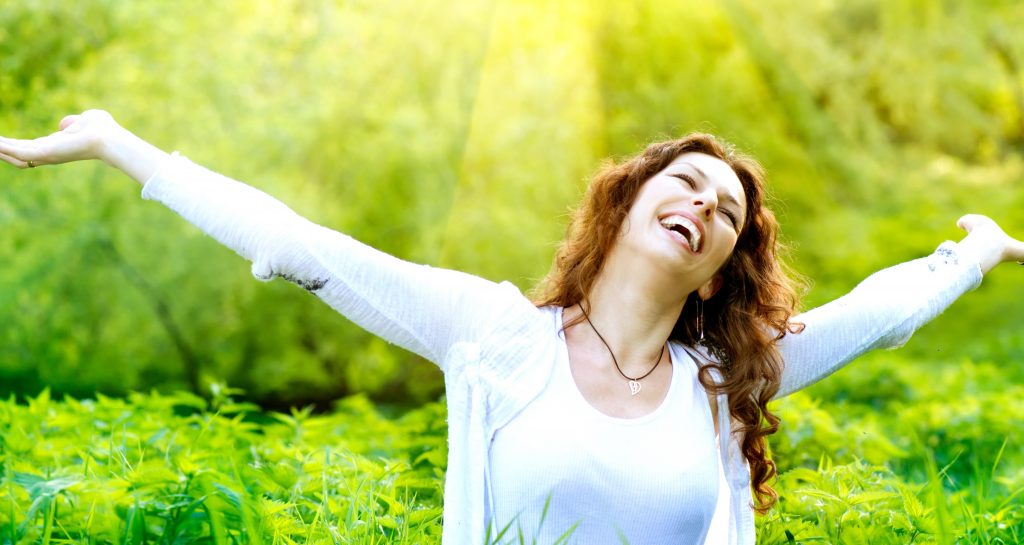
[988, 243]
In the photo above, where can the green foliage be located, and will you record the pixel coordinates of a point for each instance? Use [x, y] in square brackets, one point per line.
[175, 469]
[178, 468]
[860, 503]
[902, 453]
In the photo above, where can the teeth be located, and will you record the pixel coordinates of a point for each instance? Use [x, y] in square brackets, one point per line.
[692, 233]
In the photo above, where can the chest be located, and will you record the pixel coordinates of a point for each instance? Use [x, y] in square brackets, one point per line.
[562, 460]
[615, 395]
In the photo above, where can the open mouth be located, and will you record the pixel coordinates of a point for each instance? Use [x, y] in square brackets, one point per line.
[685, 229]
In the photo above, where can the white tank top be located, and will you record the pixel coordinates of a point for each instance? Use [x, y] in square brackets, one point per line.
[651, 480]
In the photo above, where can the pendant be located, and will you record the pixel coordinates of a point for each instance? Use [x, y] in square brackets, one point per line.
[634, 387]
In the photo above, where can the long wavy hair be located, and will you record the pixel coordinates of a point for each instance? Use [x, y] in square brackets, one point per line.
[742, 321]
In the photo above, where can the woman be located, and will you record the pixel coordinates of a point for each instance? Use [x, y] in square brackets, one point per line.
[630, 400]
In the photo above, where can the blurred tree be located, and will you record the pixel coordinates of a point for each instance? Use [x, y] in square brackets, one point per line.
[459, 135]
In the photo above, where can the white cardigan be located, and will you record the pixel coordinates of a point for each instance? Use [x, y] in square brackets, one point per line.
[495, 348]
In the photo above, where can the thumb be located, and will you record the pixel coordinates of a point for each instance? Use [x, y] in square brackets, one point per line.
[971, 222]
[68, 123]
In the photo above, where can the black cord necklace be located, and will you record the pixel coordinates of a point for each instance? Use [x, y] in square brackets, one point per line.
[634, 383]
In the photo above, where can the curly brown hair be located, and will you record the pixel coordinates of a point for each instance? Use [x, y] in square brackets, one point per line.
[749, 313]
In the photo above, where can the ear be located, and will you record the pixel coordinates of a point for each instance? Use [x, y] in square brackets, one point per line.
[710, 288]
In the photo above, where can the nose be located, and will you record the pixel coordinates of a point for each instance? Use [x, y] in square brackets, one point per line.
[705, 202]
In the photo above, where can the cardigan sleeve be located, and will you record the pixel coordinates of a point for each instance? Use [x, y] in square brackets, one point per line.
[423, 309]
[883, 311]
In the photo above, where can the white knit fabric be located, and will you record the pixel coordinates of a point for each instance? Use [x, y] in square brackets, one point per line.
[496, 349]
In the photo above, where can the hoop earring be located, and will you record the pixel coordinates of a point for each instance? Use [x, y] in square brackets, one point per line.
[700, 320]
[714, 349]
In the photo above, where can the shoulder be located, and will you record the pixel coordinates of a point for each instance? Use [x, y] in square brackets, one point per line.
[514, 317]
[696, 354]
[520, 332]
[517, 359]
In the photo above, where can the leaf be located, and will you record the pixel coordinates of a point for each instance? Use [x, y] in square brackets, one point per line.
[871, 496]
[820, 494]
[393, 506]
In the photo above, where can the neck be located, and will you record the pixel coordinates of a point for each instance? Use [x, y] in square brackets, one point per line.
[635, 311]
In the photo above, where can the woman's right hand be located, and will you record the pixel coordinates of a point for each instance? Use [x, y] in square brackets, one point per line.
[80, 137]
[93, 134]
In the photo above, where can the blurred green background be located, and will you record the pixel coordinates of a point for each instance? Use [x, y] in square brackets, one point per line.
[459, 134]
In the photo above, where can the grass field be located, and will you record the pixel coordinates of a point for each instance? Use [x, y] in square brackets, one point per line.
[906, 456]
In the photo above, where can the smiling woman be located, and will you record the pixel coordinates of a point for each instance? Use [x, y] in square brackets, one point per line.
[680, 231]
[648, 423]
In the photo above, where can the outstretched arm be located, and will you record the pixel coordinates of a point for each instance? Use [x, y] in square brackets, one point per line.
[885, 309]
[420, 308]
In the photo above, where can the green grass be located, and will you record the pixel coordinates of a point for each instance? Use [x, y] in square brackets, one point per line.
[941, 463]
[930, 451]
[170, 469]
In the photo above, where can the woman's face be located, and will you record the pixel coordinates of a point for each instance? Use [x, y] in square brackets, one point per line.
[687, 218]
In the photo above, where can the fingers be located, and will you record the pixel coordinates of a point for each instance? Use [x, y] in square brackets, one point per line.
[26, 153]
[18, 154]
[1015, 251]
[15, 161]
[1009, 248]
[8, 159]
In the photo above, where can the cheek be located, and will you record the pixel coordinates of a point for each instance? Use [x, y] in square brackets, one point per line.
[626, 225]
[727, 248]
[633, 219]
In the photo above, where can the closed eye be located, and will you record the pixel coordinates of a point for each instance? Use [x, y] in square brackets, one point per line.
[732, 217]
[686, 178]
